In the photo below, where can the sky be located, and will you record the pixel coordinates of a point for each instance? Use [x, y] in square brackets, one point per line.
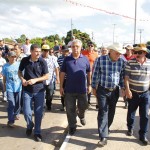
[40, 18]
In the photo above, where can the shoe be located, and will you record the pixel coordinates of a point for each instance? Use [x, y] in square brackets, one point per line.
[72, 131]
[97, 107]
[49, 108]
[62, 109]
[38, 137]
[4, 99]
[144, 141]
[83, 121]
[17, 117]
[10, 124]
[29, 131]
[130, 132]
[109, 131]
[102, 142]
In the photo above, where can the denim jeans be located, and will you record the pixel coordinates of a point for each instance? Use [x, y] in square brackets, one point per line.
[38, 99]
[143, 102]
[107, 105]
[70, 101]
[13, 105]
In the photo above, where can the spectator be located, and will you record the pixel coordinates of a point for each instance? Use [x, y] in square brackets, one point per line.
[4, 48]
[13, 87]
[53, 70]
[26, 47]
[35, 72]
[65, 53]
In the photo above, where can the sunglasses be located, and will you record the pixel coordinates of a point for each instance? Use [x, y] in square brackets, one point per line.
[139, 52]
[91, 45]
[45, 50]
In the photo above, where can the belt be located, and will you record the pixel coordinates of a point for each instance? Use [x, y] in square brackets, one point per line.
[110, 89]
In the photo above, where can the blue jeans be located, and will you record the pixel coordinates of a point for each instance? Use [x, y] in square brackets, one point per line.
[82, 104]
[38, 99]
[107, 105]
[14, 106]
[142, 101]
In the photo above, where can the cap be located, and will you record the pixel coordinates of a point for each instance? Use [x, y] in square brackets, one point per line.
[11, 53]
[64, 48]
[45, 47]
[90, 43]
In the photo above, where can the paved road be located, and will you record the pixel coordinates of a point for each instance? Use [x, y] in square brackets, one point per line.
[54, 131]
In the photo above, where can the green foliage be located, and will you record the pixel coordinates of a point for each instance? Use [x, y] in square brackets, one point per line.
[148, 43]
[84, 37]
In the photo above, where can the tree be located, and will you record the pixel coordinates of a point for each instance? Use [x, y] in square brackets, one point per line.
[84, 37]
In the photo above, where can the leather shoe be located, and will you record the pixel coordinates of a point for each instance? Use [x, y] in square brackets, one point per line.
[130, 132]
[145, 141]
[72, 131]
[83, 122]
[102, 142]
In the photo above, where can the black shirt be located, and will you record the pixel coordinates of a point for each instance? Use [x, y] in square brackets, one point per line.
[33, 70]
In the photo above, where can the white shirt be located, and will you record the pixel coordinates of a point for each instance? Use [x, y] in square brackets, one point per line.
[2, 62]
[26, 49]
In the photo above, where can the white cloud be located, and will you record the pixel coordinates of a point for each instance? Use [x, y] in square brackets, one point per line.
[46, 17]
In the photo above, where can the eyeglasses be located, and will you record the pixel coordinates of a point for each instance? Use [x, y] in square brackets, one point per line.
[138, 52]
[45, 50]
[91, 45]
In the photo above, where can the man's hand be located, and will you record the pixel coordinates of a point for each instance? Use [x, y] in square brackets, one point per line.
[61, 91]
[24, 82]
[128, 94]
[32, 81]
[89, 89]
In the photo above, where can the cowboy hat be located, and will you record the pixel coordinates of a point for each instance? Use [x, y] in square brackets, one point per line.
[141, 47]
[117, 47]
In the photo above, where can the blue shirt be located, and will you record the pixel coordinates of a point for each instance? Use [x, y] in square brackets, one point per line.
[107, 73]
[13, 82]
[33, 70]
[76, 70]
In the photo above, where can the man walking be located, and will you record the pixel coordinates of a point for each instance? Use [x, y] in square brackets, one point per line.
[76, 66]
[137, 83]
[35, 72]
[106, 79]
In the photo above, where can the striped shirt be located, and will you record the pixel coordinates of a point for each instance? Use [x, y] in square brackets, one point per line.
[107, 73]
[139, 75]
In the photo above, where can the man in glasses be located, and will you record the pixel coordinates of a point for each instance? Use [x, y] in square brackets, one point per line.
[91, 55]
[107, 77]
[137, 83]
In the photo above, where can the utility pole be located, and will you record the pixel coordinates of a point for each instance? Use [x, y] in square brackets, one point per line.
[140, 31]
[135, 19]
[114, 32]
[71, 28]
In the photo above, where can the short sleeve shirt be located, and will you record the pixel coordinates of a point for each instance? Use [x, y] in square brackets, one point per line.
[33, 70]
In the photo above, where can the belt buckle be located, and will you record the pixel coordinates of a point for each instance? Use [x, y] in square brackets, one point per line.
[110, 90]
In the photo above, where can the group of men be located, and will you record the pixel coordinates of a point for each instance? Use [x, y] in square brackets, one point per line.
[80, 72]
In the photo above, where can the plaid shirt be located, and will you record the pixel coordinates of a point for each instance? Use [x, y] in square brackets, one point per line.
[107, 73]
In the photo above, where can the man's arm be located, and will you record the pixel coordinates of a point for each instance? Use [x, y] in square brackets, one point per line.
[89, 81]
[57, 74]
[62, 77]
[24, 82]
[127, 89]
[4, 83]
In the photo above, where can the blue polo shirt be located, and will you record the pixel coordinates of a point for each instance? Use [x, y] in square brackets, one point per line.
[76, 70]
[33, 70]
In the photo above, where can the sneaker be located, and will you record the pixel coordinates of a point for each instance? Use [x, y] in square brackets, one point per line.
[4, 99]
[130, 132]
[38, 137]
[97, 107]
[72, 131]
[10, 124]
[83, 121]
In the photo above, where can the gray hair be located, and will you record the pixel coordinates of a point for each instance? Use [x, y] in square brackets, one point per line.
[77, 41]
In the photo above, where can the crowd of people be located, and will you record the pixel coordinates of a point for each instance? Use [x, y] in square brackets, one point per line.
[29, 74]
